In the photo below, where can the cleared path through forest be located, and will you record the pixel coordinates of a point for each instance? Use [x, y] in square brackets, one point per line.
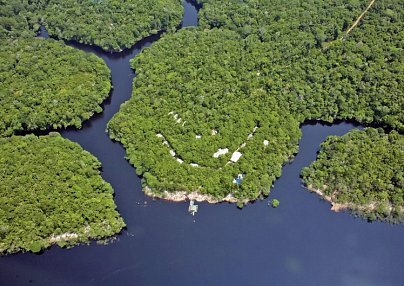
[358, 19]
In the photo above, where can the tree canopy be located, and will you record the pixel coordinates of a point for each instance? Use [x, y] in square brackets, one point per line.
[323, 72]
[18, 18]
[46, 84]
[51, 192]
[110, 24]
[294, 24]
[363, 171]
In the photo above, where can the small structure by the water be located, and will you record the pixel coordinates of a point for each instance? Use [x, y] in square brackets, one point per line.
[193, 209]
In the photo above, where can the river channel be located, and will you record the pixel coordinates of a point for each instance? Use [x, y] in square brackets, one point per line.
[301, 242]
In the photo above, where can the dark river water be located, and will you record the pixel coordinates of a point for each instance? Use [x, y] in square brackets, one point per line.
[300, 243]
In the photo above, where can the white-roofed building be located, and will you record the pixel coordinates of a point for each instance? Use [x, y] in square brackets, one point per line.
[236, 156]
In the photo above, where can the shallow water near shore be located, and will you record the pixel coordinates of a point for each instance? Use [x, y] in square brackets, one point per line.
[301, 242]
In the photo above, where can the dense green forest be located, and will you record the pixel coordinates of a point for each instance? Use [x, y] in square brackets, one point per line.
[293, 24]
[363, 171]
[361, 77]
[46, 84]
[110, 24]
[18, 18]
[308, 59]
[257, 63]
[51, 192]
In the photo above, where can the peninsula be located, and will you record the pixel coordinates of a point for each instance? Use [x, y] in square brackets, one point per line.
[363, 172]
[52, 193]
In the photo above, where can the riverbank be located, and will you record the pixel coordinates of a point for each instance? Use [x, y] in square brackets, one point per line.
[181, 196]
[337, 207]
[368, 211]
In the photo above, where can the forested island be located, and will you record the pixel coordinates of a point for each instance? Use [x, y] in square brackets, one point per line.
[219, 114]
[362, 171]
[52, 193]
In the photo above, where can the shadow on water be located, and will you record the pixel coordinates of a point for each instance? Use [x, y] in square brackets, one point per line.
[300, 243]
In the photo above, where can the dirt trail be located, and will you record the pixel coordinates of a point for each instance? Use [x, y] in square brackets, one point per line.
[358, 19]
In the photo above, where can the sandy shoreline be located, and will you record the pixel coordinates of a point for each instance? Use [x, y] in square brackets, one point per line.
[348, 206]
[181, 196]
[334, 206]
